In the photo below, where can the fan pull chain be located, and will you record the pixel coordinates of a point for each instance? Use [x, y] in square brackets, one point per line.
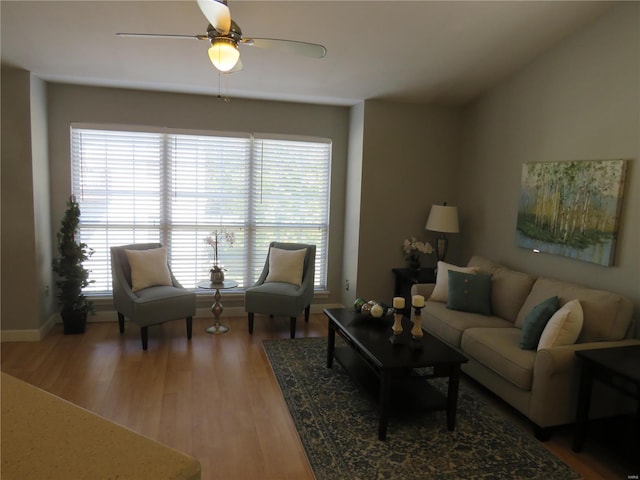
[226, 96]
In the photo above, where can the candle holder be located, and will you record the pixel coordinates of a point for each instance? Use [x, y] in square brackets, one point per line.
[416, 330]
[396, 338]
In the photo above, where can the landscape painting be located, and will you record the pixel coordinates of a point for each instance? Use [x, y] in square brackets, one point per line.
[571, 208]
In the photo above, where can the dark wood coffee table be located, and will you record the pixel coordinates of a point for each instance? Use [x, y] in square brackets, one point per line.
[368, 350]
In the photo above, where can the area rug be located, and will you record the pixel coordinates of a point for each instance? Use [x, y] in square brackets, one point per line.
[338, 424]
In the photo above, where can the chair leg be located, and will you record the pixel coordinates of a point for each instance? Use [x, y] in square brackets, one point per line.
[307, 311]
[121, 322]
[189, 327]
[144, 334]
[250, 322]
[293, 327]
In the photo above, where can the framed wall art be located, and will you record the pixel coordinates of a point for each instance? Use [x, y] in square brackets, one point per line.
[571, 208]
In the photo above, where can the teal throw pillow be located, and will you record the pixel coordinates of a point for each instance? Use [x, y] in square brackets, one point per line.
[535, 321]
[470, 292]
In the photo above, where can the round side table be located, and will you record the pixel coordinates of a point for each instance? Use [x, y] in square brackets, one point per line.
[217, 308]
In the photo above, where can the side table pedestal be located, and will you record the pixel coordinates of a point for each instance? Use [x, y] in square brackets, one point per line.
[217, 307]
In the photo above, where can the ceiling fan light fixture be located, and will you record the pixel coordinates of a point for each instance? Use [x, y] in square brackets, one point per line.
[224, 53]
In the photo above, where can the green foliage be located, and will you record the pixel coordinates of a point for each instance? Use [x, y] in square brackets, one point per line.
[72, 276]
[579, 240]
[571, 203]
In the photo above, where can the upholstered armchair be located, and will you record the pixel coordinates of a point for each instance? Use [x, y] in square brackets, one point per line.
[285, 286]
[145, 290]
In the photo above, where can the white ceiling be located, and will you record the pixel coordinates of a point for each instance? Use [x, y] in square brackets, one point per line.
[440, 52]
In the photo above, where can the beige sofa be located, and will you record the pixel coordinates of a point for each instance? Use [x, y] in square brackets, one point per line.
[541, 384]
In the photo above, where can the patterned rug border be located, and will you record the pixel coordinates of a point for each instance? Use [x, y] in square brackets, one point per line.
[337, 424]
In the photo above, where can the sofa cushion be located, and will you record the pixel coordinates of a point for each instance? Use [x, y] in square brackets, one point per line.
[449, 325]
[470, 292]
[158, 304]
[564, 327]
[535, 321]
[498, 350]
[483, 264]
[509, 291]
[509, 288]
[607, 315]
[441, 290]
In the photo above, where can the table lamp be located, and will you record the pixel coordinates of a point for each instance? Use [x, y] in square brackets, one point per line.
[442, 219]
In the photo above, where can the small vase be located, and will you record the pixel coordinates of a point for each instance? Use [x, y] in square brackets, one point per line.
[217, 275]
[414, 263]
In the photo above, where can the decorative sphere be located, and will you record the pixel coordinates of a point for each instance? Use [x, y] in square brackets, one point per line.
[358, 304]
[377, 311]
[366, 309]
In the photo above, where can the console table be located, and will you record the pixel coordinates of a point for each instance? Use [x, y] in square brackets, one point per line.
[405, 278]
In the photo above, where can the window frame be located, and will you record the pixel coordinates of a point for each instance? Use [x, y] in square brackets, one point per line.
[164, 230]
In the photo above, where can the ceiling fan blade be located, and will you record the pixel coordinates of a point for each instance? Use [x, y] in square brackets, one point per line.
[288, 46]
[217, 13]
[163, 35]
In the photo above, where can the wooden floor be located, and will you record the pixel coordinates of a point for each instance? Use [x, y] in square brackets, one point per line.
[214, 397]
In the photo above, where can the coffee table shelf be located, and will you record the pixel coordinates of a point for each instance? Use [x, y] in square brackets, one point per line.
[409, 394]
[387, 369]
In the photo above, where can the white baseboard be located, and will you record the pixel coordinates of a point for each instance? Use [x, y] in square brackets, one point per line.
[35, 335]
[240, 311]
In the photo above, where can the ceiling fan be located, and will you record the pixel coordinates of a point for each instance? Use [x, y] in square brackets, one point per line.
[225, 35]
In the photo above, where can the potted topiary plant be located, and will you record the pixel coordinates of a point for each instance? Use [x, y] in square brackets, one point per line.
[72, 276]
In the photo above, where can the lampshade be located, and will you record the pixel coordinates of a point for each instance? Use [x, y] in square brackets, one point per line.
[224, 53]
[443, 218]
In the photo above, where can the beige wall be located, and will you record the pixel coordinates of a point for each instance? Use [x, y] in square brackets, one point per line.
[21, 290]
[69, 103]
[44, 242]
[580, 101]
[408, 163]
[353, 189]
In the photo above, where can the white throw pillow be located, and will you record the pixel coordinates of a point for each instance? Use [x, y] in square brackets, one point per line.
[286, 265]
[564, 327]
[148, 268]
[441, 290]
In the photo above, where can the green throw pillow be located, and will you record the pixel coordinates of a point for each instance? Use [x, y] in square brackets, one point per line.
[470, 292]
[535, 321]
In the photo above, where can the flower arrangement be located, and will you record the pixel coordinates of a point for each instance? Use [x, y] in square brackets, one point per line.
[412, 249]
[214, 240]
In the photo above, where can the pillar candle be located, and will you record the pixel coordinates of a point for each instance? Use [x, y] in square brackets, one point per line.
[398, 302]
[417, 301]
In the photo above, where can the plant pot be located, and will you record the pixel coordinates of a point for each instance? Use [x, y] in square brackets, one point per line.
[217, 275]
[74, 322]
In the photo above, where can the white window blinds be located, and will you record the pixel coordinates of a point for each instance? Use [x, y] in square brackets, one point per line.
[290, 203]
[176, 188]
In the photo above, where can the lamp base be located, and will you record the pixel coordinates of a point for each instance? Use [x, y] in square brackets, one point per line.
[442, 245]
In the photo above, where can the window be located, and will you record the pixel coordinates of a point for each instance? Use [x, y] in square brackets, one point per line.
[176, 188]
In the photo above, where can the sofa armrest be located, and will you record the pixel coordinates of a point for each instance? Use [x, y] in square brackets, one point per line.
[557, 360]
[556, 375]
[424, 289]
